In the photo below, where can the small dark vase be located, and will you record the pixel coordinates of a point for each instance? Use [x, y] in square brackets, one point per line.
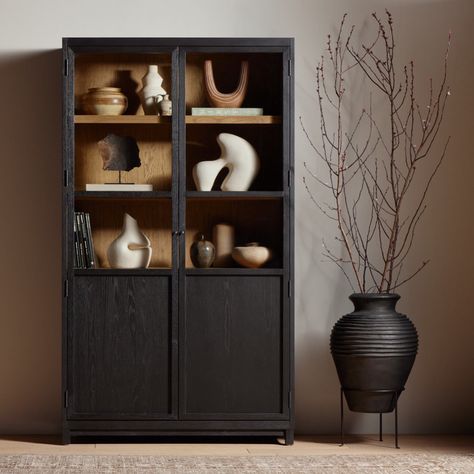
[202, 252]
[374, 349]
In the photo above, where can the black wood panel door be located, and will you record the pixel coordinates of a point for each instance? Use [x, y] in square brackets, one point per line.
[233, 348]
[120, 348]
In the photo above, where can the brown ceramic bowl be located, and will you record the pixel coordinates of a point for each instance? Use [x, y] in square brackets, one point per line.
[104, 101]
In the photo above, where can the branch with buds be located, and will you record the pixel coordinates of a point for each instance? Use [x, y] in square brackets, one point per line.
[371, 165]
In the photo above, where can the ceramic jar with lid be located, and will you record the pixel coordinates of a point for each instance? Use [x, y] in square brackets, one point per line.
[104, 101]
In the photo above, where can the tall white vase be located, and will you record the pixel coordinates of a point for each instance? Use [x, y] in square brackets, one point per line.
[131, 249]
[151, 88]
[238, 155]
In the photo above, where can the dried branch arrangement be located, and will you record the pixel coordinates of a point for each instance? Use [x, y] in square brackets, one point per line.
[372, 162]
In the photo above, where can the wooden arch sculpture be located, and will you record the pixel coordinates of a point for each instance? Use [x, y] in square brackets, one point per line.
[231, 99]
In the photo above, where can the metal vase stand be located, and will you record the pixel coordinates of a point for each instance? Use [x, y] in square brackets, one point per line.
[396, 394]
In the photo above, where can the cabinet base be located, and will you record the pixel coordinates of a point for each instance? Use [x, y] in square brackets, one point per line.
[169, 436]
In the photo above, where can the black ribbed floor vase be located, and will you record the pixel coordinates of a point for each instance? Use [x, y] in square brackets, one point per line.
[374, 349]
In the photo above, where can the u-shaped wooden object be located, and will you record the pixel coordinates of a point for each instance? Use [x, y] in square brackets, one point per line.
[231, 99]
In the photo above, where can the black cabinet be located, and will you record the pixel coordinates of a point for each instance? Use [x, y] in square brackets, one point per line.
[172, 349]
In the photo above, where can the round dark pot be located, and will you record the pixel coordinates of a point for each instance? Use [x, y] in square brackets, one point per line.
[202, 252]
[374, 349]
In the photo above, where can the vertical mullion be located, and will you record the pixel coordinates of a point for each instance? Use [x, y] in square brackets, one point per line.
[285, 230]
[181, 240]
[174, 382]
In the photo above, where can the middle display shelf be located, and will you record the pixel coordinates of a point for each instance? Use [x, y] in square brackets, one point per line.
[189, 119]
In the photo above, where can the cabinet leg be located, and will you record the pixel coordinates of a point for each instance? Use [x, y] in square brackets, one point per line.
[289, 437]
[66, 437]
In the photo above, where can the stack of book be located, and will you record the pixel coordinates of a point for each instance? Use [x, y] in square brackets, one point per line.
[84, 255]
[227, 111]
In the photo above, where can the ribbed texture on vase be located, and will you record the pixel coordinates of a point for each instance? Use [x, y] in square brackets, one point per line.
[374, 329]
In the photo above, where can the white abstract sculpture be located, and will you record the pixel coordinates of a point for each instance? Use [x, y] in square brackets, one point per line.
[238, 155]
[131, 249]
[151, 88]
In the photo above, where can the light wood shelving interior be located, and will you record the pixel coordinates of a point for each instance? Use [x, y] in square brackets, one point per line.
[253, 221]
[154, 221]
[118, 70]
[155, 154]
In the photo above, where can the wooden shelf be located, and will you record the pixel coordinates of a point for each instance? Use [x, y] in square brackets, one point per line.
[122, 271]
[121, 119]
[234, 271]
[241, 119]
[234, 194]
[83, 195]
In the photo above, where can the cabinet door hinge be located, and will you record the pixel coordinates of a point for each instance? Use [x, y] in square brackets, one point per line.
[290, 400]
[289, 178]
[65, 178]
[289, 288]
[66, 288]
[66, 67]
[66, 399]
[290, 65]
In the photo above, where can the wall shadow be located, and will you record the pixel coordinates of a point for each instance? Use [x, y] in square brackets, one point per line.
[30, 241]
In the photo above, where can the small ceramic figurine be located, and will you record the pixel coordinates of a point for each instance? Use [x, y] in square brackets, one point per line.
[238, 155]
[165, 105]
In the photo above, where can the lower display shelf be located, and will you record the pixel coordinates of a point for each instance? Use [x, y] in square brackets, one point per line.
[122, 271]
[234, 271]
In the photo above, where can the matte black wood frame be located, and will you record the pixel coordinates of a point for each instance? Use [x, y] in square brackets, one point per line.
[177, 48]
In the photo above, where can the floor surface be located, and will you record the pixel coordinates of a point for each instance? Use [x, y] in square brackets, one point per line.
[304, 445]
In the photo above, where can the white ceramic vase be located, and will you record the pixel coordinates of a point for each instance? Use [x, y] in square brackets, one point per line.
[131, 249]
[151, 88]
[238, 155]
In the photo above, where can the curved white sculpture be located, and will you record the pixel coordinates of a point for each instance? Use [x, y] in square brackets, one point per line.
[131, 249]
[238, 155]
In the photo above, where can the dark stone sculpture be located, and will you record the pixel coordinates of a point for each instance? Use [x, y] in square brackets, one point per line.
[119, 153]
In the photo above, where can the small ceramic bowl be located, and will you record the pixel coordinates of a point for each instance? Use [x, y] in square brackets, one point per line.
[252, 255]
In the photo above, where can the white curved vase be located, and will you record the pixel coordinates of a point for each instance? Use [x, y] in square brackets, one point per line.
[151, 88]
[238, 155]
[131, 249]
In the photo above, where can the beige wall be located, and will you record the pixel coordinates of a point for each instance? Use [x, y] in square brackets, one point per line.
[440, 392]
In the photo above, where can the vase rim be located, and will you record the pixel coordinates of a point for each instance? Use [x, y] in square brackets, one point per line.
[374, 296]
[104, 89]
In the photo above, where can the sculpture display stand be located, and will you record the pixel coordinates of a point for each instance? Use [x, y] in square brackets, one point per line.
[395, 393]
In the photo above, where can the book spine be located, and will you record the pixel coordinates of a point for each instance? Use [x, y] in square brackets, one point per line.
[76, 245]
[80, 240]
[85, 240]
[92, 257]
